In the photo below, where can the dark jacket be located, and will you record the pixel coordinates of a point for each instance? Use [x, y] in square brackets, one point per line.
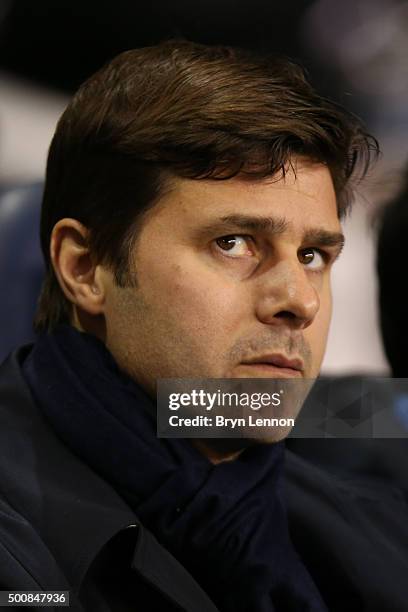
[64, 528]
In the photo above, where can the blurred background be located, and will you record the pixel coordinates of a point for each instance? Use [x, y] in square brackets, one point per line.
[355, 51]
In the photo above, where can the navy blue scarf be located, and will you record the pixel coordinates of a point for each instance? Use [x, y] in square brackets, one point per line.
[225, 523]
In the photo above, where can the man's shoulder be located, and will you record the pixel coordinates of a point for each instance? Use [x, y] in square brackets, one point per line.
[47, 494]
[25, 435]
[17, 422]
[350, 531]
[25, 560]
[57, 515]
[34, 462]
[14, 392]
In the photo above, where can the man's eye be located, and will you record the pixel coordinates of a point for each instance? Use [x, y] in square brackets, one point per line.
[234, 245]
[312, 258]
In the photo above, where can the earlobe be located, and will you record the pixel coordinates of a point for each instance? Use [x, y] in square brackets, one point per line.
[74, 266]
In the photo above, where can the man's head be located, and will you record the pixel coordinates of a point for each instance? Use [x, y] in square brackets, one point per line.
[192, 201]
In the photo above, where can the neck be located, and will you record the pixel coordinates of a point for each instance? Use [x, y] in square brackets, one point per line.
[221, 450]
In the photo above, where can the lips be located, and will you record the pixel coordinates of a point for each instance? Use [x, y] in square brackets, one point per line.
[277, 362]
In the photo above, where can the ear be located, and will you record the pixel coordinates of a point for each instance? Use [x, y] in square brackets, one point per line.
[80, 278]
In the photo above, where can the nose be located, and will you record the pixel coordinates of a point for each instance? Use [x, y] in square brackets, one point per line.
[288, 296]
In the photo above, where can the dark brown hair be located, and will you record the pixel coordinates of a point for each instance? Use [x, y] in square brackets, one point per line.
[189, 110]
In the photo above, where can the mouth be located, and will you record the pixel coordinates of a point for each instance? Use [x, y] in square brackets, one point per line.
[275, 366]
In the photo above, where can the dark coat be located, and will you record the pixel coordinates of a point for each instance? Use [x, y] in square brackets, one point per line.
[64, 528]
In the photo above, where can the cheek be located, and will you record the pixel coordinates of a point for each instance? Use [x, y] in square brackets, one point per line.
[194, 298]
[212, 307]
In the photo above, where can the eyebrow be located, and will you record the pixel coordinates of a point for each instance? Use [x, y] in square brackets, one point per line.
[323, 237]
[274, 226]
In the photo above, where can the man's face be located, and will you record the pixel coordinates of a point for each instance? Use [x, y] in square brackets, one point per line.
[233, 280]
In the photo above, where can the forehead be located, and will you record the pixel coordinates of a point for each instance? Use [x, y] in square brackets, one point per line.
[305, 197]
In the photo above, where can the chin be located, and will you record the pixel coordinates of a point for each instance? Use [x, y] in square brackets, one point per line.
[264, 435]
